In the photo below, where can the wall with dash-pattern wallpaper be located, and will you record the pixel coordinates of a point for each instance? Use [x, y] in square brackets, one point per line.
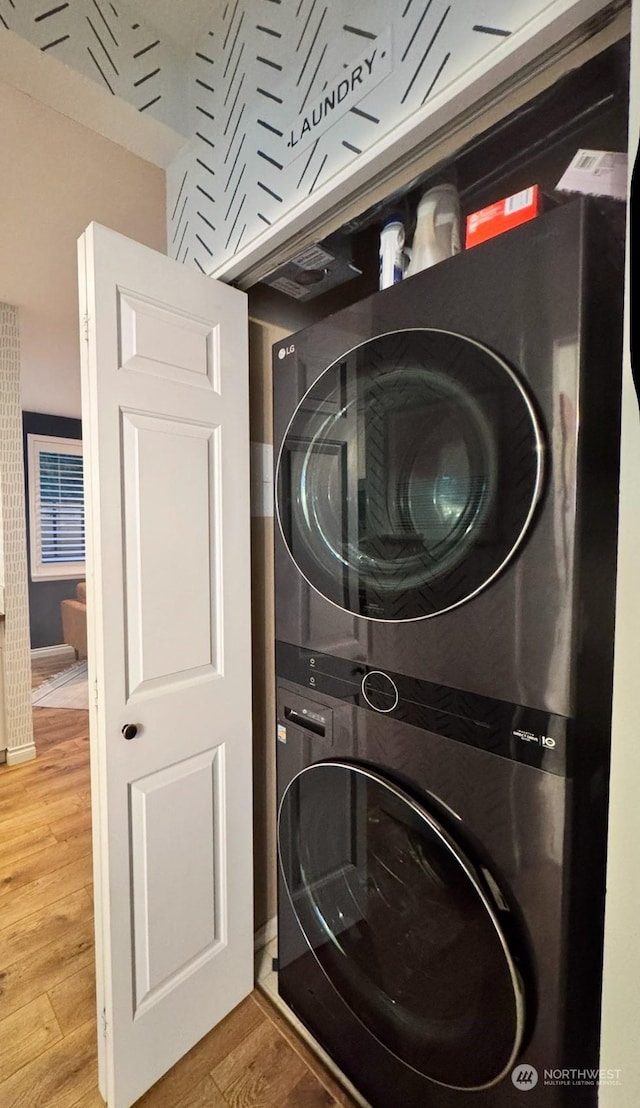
[108, 43]
[14, 651]
[286, 93]
[278, 97]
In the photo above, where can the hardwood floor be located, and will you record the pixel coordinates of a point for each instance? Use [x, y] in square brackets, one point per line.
[253, 1059]
[46, 666]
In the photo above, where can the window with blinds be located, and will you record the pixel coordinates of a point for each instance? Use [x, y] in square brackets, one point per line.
[56, 502]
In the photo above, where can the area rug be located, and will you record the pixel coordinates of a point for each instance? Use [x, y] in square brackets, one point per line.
[66, 690]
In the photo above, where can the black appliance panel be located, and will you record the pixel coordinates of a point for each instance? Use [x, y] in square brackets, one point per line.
[514, 731]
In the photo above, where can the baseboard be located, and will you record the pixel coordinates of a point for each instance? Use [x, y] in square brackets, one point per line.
[51, 651]
[266, 933]
[18, 754]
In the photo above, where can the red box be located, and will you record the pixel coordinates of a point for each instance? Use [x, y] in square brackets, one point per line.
[502, 216]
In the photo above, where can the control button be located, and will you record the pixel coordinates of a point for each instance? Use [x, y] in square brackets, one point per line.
[379, 691]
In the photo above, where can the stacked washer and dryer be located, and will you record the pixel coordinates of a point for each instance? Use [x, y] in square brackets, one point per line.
[446, 489]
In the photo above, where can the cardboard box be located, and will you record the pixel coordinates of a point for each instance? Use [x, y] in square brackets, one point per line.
[502, 216]
[596, 173]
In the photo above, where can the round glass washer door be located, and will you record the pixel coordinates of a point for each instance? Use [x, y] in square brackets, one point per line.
[402, 924]
[409, 474]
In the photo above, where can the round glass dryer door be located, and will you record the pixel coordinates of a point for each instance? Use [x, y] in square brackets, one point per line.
[402, 924]
[409, 474]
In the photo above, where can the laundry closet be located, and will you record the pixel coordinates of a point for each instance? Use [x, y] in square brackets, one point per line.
[444, 611]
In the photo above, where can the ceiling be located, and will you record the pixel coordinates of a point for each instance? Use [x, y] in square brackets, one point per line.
[185, 22]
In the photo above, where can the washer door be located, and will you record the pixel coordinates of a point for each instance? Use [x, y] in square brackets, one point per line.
[402, 923]
[409, 474]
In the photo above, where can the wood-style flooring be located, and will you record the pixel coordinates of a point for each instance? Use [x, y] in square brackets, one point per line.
[253, 1059]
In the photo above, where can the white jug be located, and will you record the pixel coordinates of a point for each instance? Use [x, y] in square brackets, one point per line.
[392, 253]
[437, 233]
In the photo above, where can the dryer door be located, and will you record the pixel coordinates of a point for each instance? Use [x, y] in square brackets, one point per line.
[409, 474]
[407, 929]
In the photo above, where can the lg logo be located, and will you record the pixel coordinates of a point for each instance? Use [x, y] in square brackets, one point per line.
[284, 351]
[525, 1077]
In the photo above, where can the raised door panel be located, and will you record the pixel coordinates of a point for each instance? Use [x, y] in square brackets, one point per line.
[177, 845]
[171, 502]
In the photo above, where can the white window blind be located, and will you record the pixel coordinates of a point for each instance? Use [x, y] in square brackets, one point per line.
[56, 500]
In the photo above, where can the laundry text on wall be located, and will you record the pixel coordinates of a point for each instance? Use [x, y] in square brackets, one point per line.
[351, 86]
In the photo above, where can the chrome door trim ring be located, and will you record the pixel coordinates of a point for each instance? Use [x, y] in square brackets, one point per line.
[536, 495]
[472, 875]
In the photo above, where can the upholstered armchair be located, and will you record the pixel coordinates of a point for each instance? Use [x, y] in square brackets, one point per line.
[74, 620]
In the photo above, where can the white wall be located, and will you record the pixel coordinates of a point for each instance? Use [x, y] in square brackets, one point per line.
[57, 176]
[621, 995]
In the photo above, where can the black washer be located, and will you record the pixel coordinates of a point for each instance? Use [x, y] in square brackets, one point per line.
[402, 923]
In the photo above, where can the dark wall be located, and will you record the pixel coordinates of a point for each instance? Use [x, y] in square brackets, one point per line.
[45, 596]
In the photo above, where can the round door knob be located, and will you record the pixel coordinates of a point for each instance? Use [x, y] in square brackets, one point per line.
[130, 730]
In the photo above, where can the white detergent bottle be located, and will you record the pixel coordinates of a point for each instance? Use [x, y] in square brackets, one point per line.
[437, 233]
[392, 257]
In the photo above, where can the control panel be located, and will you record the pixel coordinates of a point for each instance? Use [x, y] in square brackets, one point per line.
[515, 731]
